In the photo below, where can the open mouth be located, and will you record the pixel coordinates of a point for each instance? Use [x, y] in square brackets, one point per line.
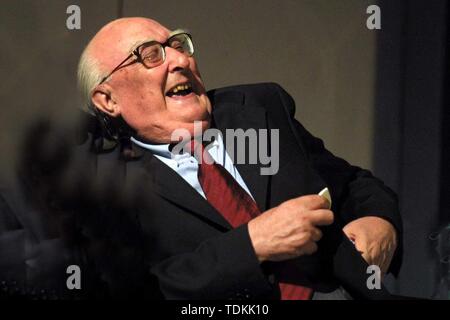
[182, 89]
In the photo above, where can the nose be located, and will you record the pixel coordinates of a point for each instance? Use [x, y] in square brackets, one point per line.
[176, 60]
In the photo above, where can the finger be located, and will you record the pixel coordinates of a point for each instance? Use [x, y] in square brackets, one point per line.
[350, 235]
[360, 243]
[377, 257]
[312, 202]
[309, 248]
[348, 230]
[387, 259]
[316, 234]
[366, 257]
[384, 264]
[321, 217]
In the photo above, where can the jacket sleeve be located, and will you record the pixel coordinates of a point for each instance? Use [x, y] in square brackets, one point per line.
[355, 191]
[224, 267]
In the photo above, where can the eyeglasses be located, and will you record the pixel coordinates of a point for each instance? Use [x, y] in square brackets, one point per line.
[152, 53]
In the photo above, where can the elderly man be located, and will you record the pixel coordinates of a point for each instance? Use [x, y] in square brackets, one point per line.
[219, 229]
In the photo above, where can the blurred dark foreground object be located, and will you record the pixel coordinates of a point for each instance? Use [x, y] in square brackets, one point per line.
[56, 213]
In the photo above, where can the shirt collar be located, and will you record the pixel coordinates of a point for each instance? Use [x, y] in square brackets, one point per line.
[163, 149]
[157, 149]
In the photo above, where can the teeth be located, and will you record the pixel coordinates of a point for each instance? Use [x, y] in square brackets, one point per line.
[181, 87]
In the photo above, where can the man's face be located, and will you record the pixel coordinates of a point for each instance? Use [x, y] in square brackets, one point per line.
[144, 96]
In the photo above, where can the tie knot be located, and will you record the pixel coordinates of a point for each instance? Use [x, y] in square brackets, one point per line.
[200, 151]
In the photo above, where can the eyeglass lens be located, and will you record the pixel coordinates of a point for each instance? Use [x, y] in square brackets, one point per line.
[153, 53]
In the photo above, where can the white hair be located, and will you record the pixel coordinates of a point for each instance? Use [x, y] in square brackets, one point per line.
[89, 76]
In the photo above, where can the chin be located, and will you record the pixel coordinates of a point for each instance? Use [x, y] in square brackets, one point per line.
[198, 129]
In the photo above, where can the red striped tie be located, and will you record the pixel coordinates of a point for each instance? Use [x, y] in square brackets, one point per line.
[236, 205]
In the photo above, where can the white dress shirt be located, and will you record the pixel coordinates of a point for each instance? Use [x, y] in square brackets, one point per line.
[187, 166]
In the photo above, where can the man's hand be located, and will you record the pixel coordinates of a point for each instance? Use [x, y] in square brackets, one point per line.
[290, 230]
[375, 238]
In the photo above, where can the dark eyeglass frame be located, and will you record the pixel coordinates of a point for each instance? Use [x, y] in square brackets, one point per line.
[135, 52]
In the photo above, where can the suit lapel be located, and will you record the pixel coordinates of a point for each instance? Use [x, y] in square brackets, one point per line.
[170, 186]
[229, 113]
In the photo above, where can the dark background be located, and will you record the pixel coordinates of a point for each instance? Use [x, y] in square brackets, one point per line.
[411, 144]
[378, 98]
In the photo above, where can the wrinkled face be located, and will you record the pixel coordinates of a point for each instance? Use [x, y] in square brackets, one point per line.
[145, 97]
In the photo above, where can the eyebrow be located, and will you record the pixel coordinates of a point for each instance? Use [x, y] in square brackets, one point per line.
[172, 33]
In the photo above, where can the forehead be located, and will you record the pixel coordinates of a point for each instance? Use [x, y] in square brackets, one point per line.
[169, 35]
[117, 38]
[139, 33]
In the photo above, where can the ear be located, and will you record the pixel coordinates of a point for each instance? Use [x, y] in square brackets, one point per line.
[103, 100]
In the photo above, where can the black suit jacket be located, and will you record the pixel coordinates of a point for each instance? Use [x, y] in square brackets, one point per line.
[190, 248]
[139, 229]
